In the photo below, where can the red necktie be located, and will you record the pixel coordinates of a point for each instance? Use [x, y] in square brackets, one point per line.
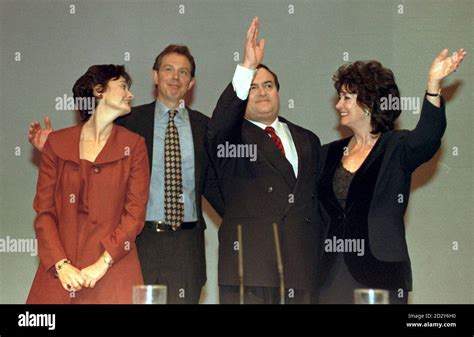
[276, 139]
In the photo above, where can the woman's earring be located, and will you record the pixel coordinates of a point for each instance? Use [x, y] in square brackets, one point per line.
[367, 113]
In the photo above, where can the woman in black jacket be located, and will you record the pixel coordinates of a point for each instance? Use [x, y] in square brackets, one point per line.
[365, 182]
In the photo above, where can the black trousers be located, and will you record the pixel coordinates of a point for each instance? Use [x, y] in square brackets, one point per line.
[263, 295]
[174, 259]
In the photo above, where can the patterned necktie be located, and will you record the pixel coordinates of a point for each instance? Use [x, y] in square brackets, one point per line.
[174, 203]
[276, 139]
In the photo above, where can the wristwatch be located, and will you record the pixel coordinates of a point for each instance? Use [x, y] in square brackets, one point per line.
[60, 266]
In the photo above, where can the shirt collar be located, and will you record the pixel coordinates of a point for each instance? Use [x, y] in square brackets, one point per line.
[276, 125]
[161, 111]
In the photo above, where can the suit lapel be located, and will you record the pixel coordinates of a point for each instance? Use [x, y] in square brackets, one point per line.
[115, 148]
[378, 149]
[304, 156]
[267, 149]
[68, 148]
[302, 151]
[387, 151]
[361, 178]
[146, 128]
[197, 130]
[333, 160]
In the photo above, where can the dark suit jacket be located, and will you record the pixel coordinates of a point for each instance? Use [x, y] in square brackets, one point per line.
[378, 198]
[260, 193]
[141, 120]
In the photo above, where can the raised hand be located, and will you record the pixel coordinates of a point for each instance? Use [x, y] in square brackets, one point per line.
[37, 136]
[253, 52]
[443, 65]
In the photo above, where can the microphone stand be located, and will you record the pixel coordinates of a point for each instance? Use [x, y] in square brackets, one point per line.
[241, 263]
[279, 263]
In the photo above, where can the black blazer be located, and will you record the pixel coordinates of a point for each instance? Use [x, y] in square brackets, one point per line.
[260, 193]
[141, 120]
[378, 198]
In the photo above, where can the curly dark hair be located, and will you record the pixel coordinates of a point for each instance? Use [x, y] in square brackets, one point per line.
[97, 75]
[178, 49]
[371, 82]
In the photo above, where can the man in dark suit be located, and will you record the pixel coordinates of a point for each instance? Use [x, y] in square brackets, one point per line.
[171, 247]
[175, 256]
[267, 168]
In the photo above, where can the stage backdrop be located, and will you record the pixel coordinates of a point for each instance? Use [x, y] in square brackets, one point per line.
[47, 45]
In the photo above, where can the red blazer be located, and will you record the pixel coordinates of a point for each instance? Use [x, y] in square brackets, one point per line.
[118, 195]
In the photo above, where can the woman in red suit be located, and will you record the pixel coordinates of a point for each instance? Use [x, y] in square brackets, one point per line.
[91, 199]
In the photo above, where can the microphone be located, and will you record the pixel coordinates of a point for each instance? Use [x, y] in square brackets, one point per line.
[241, 263]
[279, 263]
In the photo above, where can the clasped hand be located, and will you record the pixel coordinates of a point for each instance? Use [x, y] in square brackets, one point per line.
[93, 273]
[73, 279]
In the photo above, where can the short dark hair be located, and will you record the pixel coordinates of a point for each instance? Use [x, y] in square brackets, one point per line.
[371, 82]
[275, 77]
[96, 75]
[178, 49]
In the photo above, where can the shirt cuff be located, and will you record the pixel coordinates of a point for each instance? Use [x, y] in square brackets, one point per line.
[242, 80]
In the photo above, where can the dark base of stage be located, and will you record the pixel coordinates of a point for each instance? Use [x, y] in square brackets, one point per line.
[246, 320]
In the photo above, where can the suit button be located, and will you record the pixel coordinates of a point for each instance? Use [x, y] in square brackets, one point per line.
[312, 196]
[96, 169]
[341, 216]
[270, 189]
[308, 220]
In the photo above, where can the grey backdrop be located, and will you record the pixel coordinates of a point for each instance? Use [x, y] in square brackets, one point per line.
[47, 45]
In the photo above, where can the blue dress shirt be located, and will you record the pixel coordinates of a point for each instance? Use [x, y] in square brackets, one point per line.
[156, 202]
